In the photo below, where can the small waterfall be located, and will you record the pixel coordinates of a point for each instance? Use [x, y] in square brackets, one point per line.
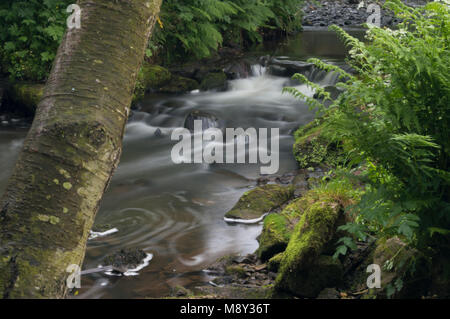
[258, 70]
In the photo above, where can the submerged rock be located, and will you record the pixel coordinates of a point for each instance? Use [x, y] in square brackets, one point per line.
[101, 227]
[256, 203]
[287, 68]
[208, 120]
[125, 259]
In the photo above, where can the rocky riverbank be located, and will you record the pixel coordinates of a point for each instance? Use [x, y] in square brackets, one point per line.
[296, 258]
[347, 13]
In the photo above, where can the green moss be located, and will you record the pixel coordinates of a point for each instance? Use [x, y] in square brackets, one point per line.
[235, 271]
[214, 80]
[315, 229]
[179, 84]
[150, 77]
[277, 230]
[155, 76]
[274, 237]
[313, 148]
[259, 201]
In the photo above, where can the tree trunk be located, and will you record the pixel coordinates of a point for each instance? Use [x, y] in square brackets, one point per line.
[72, 148]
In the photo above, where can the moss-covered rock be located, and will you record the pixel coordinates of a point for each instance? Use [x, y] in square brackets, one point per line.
[150, 78]
[235, 270]
[312, 233]
[277, 230]
[274, 262]
[274, 237]
[313, 148]
[214, 81]
[179, 84]
[259, 201]
[26, 95]
[324, 272]
[155, 76]
[405, 272]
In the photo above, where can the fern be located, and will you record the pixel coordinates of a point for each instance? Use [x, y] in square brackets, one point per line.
[395, 114]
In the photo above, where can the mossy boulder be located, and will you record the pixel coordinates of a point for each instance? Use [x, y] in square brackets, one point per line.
[314, 148]
[277, 230]
[405, 272]
[274, 262]
[274, 237]
[155, 76]
[26, 96]
[214, 81]
[150, 78]
[259, 201]
[316, 228]
[324, 272]
[179, 84]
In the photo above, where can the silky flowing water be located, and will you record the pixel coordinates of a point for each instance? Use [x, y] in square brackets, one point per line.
[175, 212]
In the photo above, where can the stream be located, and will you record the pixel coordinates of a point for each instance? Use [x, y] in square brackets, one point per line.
[175, 212]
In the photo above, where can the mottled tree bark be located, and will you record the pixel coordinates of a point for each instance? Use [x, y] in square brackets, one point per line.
[72, 148]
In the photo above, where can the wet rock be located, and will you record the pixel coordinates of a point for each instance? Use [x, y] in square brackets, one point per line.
[100, 228]
[180, 291]
[236, 270]
[287, 68]
[259, 201]
[277, 70]
[125, 259]
[158, 133]
[214, 81]
[155, 76]
[284, 179]
[179, 85]
[301, 185]
[248, 259]
[237, 70]
[328, 293]
[208, 120]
